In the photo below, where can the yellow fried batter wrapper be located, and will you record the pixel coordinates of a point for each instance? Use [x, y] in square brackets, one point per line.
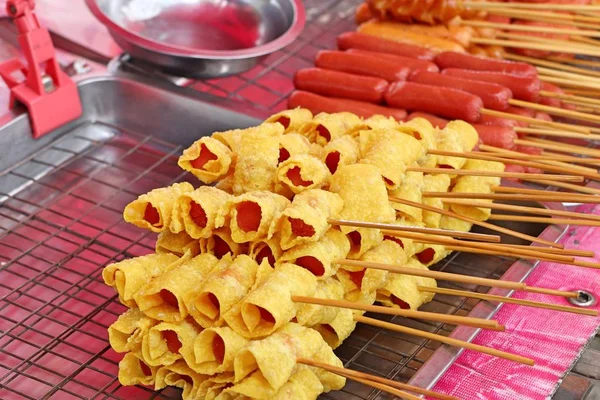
[176, 243]
[408, 245]
[270, 305]
[410, 189]
[269, 249]
[154, 209]
[293, 144]
[477, 184]
[468, 135]
[364, 194]
[163, 298]
[257, 159]
[197, 211]
[329, 380]
[317, 257]
[275, 356]
[127, 277]
[292, 120]
[401, 290]
[453, 224]
[207, 159]
[181, 376]
[339, 152]
[368, 280]
[303, 385]
[126, 333]
[381, 122]
[226, 184]
[327, 127]
[303, 172]
[363, 240]
[431, 254]
[313, 314]
[390, 152]
[306, 219]
[227, 284]
[449, 139]
[424, 132]
[220, 244]
[250, 215]
[133, 371]
[214, 350]
[163, 343]
[213, 387]
[338, 330]
[434, 183]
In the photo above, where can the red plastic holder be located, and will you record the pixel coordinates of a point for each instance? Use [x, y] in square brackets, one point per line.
[49, 94]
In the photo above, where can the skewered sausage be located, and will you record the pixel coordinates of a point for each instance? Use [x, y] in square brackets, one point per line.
[467, 61]
[357, 40]
[361, 64]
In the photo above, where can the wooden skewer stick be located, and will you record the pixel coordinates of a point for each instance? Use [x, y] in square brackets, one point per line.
[509, 154]
[550, 64]
[560, 147]
[566, 97]
[446, 276]
[510, 300]
[566, 197]
[428, 316]
[431, 239]
[572, 83]
[516, 175]
[529, 120]
[508, 189]
[444, 339]
[362, 377]
[578, 91]
[549, 41]
[431, 231]
[567, 75]
[530, 6]
[476, 222]
[555, 133]
[528, 28]
[523, 209]
[574, 61]
[558, 18]
[584, 39]
[516, 44]
[574, 188]
[537, 256]
[556, 111]
[542, 220]
[566, 168]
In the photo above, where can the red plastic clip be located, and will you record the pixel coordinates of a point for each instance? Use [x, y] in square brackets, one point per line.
[48, 93]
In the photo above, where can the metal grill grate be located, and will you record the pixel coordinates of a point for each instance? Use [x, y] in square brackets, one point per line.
[63, 225]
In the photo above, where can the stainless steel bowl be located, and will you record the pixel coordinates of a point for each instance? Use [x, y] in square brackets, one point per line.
[201, 38]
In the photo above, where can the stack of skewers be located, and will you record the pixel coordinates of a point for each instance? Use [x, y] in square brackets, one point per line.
[311, 221]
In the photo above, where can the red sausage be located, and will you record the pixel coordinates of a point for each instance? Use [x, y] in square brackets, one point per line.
[435, 121]
[523, 88]
[356, 40]
[317, 104]
[497, 136]
[445, 102]
[551, 101]
[498, 121]
[543, 116]
[362, 64]
[340, 84]
[450, 59]
[494, 96]
[412, 63]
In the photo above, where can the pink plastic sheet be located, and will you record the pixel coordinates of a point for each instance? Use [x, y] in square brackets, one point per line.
[553, 339]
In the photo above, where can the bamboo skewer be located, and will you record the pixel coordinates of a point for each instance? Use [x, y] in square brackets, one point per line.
[516, 197]
[566, 168]
[585, 63]
[572, 83]
[509, 154]
[567, 75]
[446, 276]
[536, 256]
[517, 44]
[531, 130]
[573, 45]
[428, 316]
[550, 64]
[559, 18]
[529, 120]
[444, 339]
[566, 97]
[508, 189]
[466, 246]
[351, 374]
[523, 209]
[510, 300]
[577, 91]
[575, 188]
[556, 111]
[560, 147]
[478, 223]
[529, 28]
[542, 220]
[431, 231]
[516, 175]
[530, 6]
[584, 39]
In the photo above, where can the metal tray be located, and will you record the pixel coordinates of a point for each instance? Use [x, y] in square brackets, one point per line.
[61, 200]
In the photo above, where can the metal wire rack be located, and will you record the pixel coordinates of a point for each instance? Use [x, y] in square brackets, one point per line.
[60, 224]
